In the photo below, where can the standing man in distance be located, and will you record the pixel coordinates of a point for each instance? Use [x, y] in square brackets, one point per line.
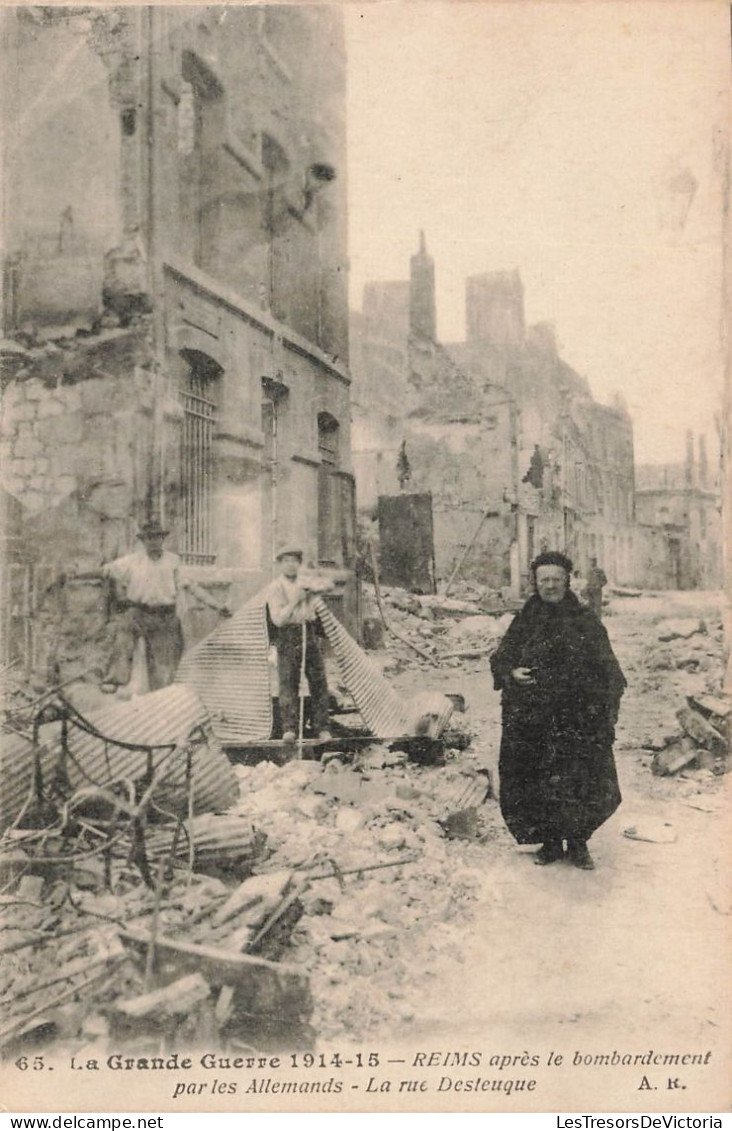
[596, 579]
[148, 584]
[290, 606]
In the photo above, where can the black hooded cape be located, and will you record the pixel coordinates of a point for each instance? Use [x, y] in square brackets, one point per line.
[557, 771]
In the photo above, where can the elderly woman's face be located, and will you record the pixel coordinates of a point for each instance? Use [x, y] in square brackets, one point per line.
[551, 583]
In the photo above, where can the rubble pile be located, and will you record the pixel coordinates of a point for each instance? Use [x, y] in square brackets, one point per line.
[702, 741]
[431, 630]
[114, 869]
[123, 920]
[686, 642]
[683, 663]
[92, 947]
[391, 857]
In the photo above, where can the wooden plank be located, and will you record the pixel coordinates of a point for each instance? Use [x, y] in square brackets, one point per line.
[180, 996]
[264, 987]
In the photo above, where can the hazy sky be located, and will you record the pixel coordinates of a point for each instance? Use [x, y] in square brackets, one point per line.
[581, 142]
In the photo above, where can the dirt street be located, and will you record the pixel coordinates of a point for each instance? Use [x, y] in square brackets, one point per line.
[638, 945]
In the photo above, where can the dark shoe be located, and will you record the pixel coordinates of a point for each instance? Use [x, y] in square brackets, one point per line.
[579, 855]
[549, 853]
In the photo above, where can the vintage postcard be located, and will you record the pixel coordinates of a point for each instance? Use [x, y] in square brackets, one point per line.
[364, 470]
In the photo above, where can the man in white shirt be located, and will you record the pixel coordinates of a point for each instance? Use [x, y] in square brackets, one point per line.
[148, 583]
[290, 606]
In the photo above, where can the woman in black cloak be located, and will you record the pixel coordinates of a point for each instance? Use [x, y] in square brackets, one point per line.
[561, 689]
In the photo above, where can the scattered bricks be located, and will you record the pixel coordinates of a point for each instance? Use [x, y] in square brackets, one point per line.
[674, 757]
[703, 733]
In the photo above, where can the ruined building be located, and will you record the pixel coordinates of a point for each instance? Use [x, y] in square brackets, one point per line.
[174, 292]
[681, 504]
[504, 435]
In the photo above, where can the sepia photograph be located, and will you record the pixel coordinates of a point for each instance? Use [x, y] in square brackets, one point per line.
[365, 618]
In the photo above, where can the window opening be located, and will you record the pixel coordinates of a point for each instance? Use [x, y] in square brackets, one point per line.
[198, 392]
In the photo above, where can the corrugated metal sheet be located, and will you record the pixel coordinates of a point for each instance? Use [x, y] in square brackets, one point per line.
[382, 710]
[165, 716]
[229, 669]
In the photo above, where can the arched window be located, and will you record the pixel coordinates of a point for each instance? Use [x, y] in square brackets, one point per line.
[199, 394]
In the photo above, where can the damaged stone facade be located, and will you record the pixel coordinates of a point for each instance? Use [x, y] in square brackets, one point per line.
[174, 293]
[503, 433]
[681, 502]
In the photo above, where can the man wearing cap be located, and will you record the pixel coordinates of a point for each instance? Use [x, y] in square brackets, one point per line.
[596, 580]
[148, 583]
[290, 607]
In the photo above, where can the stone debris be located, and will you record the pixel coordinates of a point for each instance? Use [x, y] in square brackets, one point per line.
[702, 732]
[703, 743]
[230, 925]
[367, 925]
[438, 631]
[679, 753]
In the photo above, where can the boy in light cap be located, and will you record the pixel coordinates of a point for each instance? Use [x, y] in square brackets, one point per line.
[290, 607]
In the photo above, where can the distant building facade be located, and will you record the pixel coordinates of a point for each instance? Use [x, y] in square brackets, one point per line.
[505, 435]
[175, 287]
[682, 503]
